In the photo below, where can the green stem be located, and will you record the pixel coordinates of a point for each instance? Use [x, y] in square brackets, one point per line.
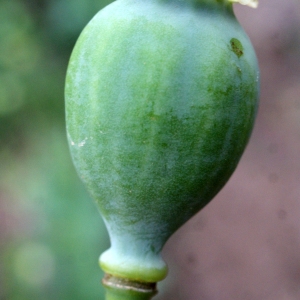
[122, 289]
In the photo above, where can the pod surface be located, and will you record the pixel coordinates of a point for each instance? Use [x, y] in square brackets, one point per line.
[161, 99]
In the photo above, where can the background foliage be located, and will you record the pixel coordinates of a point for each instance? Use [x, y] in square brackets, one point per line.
[50, 232]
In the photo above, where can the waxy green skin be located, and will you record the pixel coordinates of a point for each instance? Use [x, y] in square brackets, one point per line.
[161, 98]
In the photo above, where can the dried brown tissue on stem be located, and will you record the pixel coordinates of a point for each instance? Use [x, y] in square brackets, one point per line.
[123, 283]
[124, 289]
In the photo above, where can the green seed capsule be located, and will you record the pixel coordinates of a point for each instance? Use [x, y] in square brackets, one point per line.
[161, 97]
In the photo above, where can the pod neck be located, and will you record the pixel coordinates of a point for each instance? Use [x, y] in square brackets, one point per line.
[250, 3]
[223, 4]
[218, 5]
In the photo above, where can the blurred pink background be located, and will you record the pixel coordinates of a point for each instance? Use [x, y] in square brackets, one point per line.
[245, 245]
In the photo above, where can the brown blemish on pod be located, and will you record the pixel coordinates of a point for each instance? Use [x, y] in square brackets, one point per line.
[237, 47]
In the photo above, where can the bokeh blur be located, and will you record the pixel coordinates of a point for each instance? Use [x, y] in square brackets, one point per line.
[245, 245]
[51, 235]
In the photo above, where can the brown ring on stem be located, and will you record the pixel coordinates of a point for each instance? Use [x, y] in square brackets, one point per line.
[127, 284]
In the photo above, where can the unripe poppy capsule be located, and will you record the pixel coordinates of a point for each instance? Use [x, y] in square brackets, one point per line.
[161, 98]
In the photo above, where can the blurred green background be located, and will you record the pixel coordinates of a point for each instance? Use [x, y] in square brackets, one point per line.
[51, 234]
